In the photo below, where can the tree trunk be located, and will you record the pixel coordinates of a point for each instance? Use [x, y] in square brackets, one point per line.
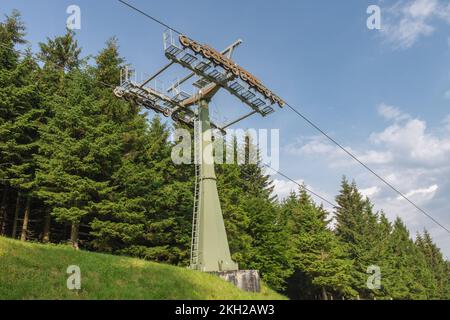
[26, 219]
[74, 235]
[3, 211]
[46, 231]
[16, 216]
[324, 294]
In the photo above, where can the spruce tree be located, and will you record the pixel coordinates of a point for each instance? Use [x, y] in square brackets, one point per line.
[21, 113]
[435, 263]
[78, 149]
[447, 296]
[410, 278]
[148, 213]
[12, 32]
[61, 52]
[361, 235]
[318, 255]
[233, 203]
[270, 251]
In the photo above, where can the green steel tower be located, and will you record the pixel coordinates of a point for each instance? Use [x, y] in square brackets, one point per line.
[209, 250]
[210, 71]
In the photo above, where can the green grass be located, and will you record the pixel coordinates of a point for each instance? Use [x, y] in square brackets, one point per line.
[36, 271]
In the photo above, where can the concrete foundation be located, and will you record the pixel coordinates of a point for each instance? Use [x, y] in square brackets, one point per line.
[246, 280]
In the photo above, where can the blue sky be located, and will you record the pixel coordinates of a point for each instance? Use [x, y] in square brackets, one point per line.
[384, 94]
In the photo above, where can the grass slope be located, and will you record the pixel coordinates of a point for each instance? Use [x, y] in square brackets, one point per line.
[36, 271]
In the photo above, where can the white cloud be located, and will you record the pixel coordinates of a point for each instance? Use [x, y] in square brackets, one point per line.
[391, 112]
[428, 193]
[422, 8]
[318, 145]
[315, 146]
[447, 122]
[444, 12]
[406, 141]
[370, 192]
[283, 188]
[374, 157]
[447, 93]
[406, 153]
[411, 143]
[407, 32]
[408, 21]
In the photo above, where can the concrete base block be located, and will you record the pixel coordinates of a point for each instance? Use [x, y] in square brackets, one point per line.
[246, 280]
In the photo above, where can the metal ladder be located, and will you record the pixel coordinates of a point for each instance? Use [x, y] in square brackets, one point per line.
[195, 215]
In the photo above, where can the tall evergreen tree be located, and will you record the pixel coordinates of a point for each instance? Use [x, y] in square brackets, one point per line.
[21, 109]
[270, 251]
[357, 228]
[448, 281]
[318, 256]
[79, 148]
[61, 52]
[153, 205]
[12, 32]
[411, 279]
[435, 263]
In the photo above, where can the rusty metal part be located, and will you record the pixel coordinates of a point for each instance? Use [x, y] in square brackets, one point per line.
[228, 52]
[229, 65]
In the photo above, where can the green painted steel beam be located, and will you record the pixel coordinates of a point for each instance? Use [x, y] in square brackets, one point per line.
[213, 250]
